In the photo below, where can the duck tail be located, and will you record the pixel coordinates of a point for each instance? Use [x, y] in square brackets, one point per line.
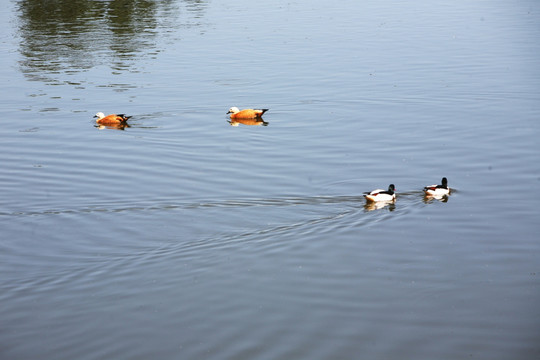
[124, 117]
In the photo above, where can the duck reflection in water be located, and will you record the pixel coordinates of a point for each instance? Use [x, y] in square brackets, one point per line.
[113, 127]
[429, 198]
[376, 205]
[251, 122]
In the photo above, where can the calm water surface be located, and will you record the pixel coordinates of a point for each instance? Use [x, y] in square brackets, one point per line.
[182, 237]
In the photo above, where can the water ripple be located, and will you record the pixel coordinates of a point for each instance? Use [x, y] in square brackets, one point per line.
[118, 207]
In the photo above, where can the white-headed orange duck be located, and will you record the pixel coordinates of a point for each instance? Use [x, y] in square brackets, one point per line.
[111, 120]
[246, 113]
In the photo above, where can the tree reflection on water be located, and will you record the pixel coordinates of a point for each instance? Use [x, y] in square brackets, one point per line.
[68, 37]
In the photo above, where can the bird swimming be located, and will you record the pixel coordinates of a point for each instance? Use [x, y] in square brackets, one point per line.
[438, 190]
[381, 195]
[246, 113]
[111, 120]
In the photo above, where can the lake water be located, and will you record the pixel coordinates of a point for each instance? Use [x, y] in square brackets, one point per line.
[183, 237]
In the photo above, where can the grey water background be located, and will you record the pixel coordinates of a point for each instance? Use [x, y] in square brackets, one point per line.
[182, 237]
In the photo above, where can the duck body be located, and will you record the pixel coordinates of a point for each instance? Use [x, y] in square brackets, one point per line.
[246, 113]
[111, 120]
[381, 195]
[438, 190]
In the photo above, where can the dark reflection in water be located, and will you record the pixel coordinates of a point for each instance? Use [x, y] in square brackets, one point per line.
[430, 198]
[113, 127]
[376, 205]
[68, 37]
[249, 122]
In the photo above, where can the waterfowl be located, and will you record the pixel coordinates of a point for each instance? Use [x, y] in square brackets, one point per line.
[111, 120]
[246, 113]
[438, 190]
[382, 195]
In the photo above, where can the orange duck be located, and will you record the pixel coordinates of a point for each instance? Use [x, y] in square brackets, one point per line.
[246, 113]
[111, 120]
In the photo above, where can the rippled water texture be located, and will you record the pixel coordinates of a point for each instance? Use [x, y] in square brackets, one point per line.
[180, 236]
